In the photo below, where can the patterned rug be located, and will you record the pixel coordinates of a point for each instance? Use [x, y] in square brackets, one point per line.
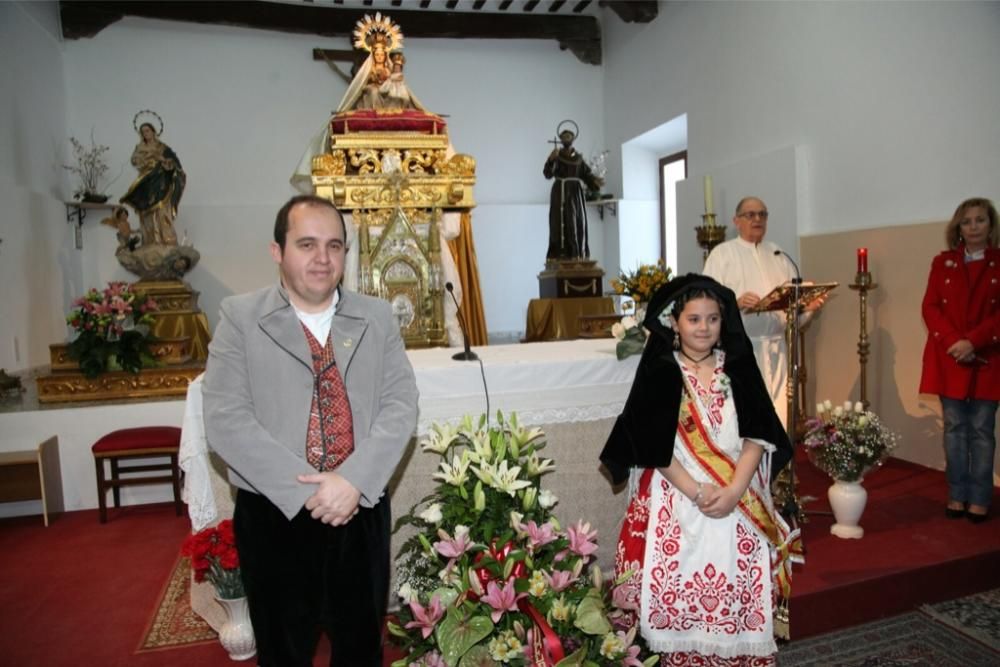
[976, 615]
[174, 623]
[958, 633]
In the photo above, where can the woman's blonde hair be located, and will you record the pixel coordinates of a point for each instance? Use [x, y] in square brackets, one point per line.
[953, 235]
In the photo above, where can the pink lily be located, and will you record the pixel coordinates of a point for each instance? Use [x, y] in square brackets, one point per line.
[501, 599]
[581, 539]
[427, 617]
[631, 658]
[450, 547]
[539, 535]
[559, 580]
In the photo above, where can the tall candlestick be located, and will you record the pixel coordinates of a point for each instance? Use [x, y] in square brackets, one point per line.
[708, 196]
[862, 260]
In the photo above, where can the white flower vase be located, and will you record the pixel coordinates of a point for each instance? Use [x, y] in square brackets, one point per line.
[236, 634]
[847, 500]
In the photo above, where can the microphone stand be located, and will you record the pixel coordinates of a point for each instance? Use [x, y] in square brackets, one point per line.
[467, 354]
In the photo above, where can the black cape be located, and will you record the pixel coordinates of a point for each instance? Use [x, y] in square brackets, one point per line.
[643, 435]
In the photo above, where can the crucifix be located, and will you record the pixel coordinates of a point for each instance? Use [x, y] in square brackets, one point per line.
[332, 56]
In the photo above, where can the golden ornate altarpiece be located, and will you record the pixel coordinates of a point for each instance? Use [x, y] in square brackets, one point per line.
[392, 169]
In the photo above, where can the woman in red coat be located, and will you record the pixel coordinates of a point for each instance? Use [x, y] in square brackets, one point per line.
[962, 357]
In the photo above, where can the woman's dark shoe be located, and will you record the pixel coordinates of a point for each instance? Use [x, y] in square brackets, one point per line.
[977, 517]
[954, 512]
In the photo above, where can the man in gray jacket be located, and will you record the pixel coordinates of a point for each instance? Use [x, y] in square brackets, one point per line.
[310, 400]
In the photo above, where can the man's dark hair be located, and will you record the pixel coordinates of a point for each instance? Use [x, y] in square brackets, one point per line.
[281, 220]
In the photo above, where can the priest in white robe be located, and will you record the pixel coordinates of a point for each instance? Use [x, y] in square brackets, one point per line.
[752, 267]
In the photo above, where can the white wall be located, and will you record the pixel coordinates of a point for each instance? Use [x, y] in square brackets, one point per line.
[39, 271]
[892, 103]
[240, 106]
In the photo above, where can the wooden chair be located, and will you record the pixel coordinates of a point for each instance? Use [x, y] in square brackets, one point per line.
[137, 443]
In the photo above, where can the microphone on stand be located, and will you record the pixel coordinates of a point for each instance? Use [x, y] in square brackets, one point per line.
[798, 274]
[468, 354]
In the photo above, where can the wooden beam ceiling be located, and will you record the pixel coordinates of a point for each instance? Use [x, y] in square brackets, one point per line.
[580, 34]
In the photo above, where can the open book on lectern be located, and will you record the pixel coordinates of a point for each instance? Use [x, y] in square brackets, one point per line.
[781, 296]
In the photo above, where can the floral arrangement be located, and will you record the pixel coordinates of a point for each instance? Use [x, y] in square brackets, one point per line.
[847, 441]
[91, 166]
[491, 577]
[112, 329]
[214, 559]
[643, 282]
[630, 335]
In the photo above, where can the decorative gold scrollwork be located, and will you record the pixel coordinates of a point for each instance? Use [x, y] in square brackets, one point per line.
[460, 164]
[329, 164]
[417, 161]
[366, 160]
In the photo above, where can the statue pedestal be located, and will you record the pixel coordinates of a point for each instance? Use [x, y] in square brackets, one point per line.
[181, 346]
[570, 278]
[179, 315]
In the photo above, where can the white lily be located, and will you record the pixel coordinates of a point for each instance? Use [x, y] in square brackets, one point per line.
[455, 473]
[535, 466]
[506, 479]
[486, 472]
[481, 451]
[440, 438]
[521, 436]
[547, 499]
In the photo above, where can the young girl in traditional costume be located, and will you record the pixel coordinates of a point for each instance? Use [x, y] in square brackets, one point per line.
[708, 555]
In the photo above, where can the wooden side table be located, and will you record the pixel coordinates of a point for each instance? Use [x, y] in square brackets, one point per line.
[33, 474]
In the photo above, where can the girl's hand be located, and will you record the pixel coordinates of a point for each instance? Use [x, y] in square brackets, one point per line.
[721, 504]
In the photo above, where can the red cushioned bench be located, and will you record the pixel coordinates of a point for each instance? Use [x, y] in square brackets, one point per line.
[136, 443]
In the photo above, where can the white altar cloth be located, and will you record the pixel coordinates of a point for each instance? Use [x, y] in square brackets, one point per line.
[545, 383]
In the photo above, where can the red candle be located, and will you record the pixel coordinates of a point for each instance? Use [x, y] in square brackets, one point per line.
[862, 260]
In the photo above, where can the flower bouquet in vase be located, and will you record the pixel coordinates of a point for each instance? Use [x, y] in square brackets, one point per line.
[846, 442]
[641, 284]
[112, 329]
[214, 559]
[491, 577]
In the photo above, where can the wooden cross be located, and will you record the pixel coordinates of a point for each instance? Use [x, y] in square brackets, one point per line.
[331, 56]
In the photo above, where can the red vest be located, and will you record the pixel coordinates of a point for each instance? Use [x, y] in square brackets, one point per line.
[330, 437]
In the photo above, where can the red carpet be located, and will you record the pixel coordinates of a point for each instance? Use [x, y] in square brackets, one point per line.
[82, 593]
[910, 554]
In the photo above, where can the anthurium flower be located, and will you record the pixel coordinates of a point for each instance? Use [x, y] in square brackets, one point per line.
[501, 600]
[426, 618]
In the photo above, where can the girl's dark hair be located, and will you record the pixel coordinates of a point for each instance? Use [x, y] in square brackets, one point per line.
[690, 295]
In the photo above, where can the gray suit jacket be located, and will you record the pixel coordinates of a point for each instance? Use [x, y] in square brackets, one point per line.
[258, 391]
